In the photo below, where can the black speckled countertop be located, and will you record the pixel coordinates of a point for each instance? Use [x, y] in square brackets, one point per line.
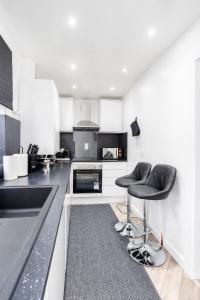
[85, 159]
[31, 283]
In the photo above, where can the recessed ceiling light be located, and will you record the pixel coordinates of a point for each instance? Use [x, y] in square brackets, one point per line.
[73, 67]
[72, 21]
[73, 86]
[151, 32]
[112, 88]
[124, 69]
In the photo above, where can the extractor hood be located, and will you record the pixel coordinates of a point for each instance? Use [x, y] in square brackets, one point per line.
[86, 124]
[84, 115]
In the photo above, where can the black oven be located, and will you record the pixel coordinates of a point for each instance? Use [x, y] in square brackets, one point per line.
[87, 180]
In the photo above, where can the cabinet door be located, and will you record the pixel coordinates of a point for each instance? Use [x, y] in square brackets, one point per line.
[39, 115]
[111, 171]
[56, 279]
[111, 115]
[66, 114]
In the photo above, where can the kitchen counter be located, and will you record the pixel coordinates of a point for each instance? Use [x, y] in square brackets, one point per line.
[31, 283]
[84, 159]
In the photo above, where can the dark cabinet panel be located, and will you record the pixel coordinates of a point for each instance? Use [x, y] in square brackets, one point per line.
[12, 129]
[9, 136]
[6, 79]
[66, 142]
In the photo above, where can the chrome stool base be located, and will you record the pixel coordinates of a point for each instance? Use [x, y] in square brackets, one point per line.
[124, 228]
[150, 254]
[128, 229]
[120, 226]
[135, 244]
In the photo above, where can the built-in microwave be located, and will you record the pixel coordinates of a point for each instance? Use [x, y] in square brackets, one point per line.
[111, 153]
[87, 178]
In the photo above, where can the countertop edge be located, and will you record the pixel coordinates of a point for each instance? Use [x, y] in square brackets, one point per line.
[32, 281]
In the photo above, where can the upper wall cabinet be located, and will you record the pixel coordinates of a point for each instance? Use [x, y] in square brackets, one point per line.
[110, 115]
[66, 114]
[39, 115]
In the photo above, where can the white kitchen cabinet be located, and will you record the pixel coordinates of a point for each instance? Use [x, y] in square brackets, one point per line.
[39, 115]
[111, 171]
[114, 173]
[110, 115]
[56, 278]
[66, 114]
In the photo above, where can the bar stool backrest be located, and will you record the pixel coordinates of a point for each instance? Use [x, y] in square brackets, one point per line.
[162, 177]
[141, 171]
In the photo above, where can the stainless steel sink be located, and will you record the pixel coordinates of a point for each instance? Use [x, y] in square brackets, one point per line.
[22, 213]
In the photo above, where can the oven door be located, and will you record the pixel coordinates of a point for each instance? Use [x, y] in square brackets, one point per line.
[87, 181]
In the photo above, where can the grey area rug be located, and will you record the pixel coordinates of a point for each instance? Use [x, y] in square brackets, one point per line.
[98, 265]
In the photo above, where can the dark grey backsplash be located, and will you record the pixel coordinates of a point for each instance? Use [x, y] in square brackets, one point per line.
[103, 140]
[66, 142]
[81, 140]
[112, 140]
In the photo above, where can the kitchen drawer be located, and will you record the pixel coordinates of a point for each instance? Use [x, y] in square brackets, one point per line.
[108, 181]
[113, 173]
[114, 166]
[113, 191]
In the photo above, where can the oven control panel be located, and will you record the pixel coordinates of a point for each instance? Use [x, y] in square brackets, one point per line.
[87, 166]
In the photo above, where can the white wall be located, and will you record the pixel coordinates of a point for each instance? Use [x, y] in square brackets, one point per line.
[164, 102]
[196, 218]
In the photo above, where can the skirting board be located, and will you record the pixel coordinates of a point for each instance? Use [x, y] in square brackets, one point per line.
[167, 244]
[95, 200]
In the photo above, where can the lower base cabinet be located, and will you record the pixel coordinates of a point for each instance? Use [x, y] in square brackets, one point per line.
[111, 171]
[56, 278]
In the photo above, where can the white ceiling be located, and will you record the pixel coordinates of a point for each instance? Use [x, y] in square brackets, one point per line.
[109, 35]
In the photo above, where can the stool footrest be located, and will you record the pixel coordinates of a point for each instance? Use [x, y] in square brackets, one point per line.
[138, 231]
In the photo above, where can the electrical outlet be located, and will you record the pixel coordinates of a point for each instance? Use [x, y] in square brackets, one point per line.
[86, 146]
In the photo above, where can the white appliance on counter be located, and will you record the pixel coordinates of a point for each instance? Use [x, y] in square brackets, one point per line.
[10, 169]
[22, 164]
[15, 165]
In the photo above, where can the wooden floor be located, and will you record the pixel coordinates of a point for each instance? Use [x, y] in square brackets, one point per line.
[170, 280]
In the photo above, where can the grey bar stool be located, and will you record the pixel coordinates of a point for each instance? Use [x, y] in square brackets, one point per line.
[139, 175]
[157, 187]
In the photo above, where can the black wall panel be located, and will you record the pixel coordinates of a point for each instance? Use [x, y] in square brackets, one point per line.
[107, 140]
[6, 78]
[66, 142]
[112, 140]
[9, 137]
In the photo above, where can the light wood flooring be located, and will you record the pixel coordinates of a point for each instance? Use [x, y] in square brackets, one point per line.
[170, 280]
